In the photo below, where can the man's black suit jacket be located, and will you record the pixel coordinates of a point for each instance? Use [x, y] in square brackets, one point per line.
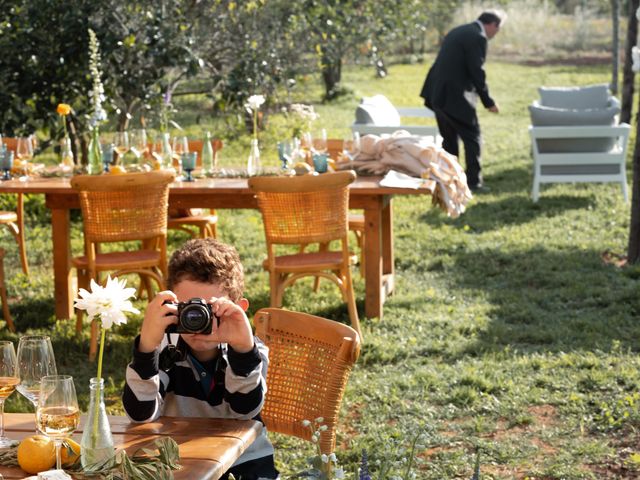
[458, 68]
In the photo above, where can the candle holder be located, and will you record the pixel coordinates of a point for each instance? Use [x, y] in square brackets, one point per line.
[189, 164]
[6, 162]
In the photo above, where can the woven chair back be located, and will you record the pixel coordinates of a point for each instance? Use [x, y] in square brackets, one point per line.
[310, 359]
[304, 209]
[124, 207]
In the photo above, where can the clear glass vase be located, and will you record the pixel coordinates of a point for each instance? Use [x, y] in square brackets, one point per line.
[97, 441]
[94, 153]
[253, 162]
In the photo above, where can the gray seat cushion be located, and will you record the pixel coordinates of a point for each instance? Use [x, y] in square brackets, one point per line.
[590, 96]
[544, 116]
[377, 110]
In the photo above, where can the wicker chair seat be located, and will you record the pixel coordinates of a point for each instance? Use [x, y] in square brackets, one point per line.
[120, 260]
[305, 262]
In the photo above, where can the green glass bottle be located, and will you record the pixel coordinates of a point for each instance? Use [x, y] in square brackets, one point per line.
[207, 154]
[94, 153]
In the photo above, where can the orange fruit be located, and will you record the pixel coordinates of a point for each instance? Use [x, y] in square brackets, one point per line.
[69, 452]
[117, 169]
[36, 453]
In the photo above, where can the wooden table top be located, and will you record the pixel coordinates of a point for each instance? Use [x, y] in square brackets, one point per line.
[362, 185]
[208, 446]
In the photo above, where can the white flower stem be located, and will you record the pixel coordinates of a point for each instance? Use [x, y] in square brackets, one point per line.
[94, 436]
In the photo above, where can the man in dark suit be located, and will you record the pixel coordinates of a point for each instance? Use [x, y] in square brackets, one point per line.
[453, 84]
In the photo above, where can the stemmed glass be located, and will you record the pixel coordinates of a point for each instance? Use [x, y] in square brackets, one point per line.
[180, 146]
[351, 146]
[189, 160]
[7, 164]
[35, 360]
[285, 152]
[24, 153]
[121, 145]
[138, 143]
[320, 141]
[8, 381]
[58, 414]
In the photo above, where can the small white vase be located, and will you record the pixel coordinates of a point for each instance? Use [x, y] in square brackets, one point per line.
[253, 162]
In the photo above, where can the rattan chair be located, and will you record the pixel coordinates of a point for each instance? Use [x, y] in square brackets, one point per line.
[14, 221]
[3, 295]
[303, 210]
[197, 222]
[310, 359]
[123, 208]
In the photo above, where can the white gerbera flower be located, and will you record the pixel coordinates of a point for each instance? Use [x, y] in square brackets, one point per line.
[254, 102]
[109, 302]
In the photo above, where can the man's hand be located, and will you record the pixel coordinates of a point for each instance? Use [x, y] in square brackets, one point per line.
[494, 109]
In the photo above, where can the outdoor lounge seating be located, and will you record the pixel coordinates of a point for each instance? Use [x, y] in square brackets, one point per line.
[377, 115]
[575, 137]
[123, 208]
[310, 359]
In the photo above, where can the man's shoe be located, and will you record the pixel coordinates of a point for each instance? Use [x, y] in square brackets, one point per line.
[480, 188]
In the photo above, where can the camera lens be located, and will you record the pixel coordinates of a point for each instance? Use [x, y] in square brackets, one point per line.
[195, 318]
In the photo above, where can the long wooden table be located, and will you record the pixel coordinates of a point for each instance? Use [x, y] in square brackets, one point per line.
[365, 193]
[208, 446]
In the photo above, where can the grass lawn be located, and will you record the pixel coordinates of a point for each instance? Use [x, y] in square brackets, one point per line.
[507, 334]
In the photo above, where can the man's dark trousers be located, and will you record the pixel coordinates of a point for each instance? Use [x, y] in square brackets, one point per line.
[469, 132]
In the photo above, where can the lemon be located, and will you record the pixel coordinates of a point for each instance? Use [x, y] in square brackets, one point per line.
[117, 169]
[36, 453]
[69, 452]
[301, 168]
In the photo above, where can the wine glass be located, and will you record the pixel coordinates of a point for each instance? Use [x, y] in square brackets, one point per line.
[180, 146]
[24, 153]
[351, 146]
[189, 164]
[285, 152]
[138, 143]
[121, 145]
[161, 151]
[58, 414]
[320, 141]
[8, 381]
[35, 360]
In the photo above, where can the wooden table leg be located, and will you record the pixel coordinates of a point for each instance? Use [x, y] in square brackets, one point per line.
[62, 262]
[373, 257]
[387, 243]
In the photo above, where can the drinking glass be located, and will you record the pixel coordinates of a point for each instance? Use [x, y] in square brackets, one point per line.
[180, 146]
[189, 164]
[58, 414]
[35, 360]
[320, 141]
[285, 152]
[121, 145]
[7, 164]
[351, 146]
[24, 153]
[8, 381]
[138, 143]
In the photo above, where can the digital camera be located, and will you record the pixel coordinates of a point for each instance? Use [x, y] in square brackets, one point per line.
[194, 316]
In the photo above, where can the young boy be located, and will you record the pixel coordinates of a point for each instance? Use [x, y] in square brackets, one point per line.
[218, 375]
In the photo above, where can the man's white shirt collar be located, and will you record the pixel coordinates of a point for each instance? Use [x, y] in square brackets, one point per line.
[482, 30]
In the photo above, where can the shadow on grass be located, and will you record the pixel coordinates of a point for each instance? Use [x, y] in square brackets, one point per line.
[550, 301]
[488, 215]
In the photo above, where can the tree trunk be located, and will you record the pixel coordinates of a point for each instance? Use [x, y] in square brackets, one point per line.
[627, 73]
[331, 75]
[615, 48]
[633, 253]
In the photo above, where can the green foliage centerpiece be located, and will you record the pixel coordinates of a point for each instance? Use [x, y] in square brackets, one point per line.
[94, 154]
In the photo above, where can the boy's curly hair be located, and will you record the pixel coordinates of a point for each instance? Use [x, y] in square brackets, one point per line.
[206, 260]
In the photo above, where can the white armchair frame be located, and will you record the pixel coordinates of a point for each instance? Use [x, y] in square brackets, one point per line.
[570, 167]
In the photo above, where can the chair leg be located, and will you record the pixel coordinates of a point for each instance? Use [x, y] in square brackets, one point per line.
[3, 297]
[274, 285]
[22, 245]
[351, 302]
[83, 282]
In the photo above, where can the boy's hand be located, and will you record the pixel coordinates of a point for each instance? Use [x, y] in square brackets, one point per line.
[159, 315]
[234, 328]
